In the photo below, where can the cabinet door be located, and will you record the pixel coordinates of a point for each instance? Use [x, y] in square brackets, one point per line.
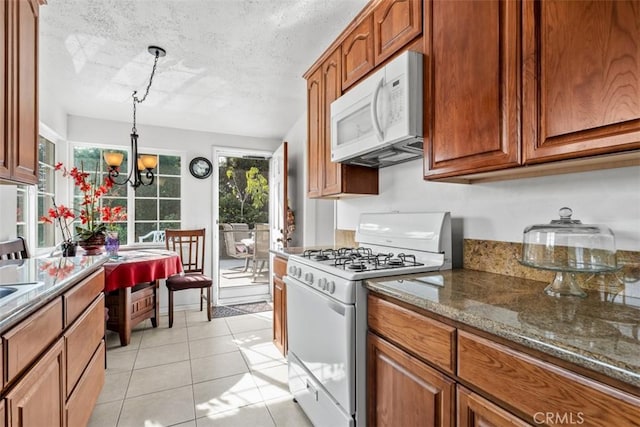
[279, 313]
[314, 139]
[474, 411]
[581, 80]
[25, 146]
[396, 22]
[403, 391]
[36, 400]
[474, 109]
[357, 53]
[5, 153]
[331, 90]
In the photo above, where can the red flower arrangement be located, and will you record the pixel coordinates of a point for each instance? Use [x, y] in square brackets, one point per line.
[94, 219]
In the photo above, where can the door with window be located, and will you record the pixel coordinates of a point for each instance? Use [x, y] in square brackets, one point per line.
[242, 217]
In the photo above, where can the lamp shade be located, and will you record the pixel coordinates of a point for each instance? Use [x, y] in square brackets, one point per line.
[113, 159]
[149, 161]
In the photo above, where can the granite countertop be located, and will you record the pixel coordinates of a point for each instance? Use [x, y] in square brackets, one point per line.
[600, 332]
[35, 281]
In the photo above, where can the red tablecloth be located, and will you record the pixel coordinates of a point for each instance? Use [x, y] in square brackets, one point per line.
[133, 267]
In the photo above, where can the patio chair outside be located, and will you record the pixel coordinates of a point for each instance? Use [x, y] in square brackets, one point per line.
[260, 249]
[233, 248]
[156, 236]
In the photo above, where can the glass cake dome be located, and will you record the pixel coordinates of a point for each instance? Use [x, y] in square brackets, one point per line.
[568, 246]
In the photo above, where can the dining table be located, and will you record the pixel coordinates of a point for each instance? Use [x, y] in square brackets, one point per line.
[132, 281]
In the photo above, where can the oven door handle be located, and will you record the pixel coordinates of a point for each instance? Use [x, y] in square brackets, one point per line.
[336, 307]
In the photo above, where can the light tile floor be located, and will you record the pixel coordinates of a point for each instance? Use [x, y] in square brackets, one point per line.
[226, 372]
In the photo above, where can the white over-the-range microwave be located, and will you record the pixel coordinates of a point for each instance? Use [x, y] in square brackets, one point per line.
[378, 123]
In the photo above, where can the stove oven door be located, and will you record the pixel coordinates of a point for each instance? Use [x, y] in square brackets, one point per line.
[321, 333]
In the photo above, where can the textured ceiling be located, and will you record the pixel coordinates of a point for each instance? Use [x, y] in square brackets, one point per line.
[232, 66]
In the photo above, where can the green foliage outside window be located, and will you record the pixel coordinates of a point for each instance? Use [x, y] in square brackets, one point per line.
[243, 190]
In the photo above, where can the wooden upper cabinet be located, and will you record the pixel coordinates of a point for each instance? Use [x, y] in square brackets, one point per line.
[314, 137]
[327, 179]
[19, 109]
[581, 84]
[25, 150]
[396, 22]
[473, 110]
[357, 53]
[331, 84]
[5, 106]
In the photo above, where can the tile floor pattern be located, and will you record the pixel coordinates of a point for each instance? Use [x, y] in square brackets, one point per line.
[226, 372]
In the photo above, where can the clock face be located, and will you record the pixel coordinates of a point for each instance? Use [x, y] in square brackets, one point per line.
[200, 167]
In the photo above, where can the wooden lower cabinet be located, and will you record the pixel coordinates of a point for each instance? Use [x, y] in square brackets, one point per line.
[280, 305]
[474, 411]
[495, 384]
[403, 391]
[54, 374]
[37, 399]
[80, 405]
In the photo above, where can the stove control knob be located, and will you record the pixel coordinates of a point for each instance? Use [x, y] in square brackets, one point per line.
[298, 272]
[308, 277]
[331, 287]
[322, 284]
[292, 270]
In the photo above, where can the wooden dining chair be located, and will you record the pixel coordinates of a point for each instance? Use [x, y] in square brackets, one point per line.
[14, 249]
[189, 245]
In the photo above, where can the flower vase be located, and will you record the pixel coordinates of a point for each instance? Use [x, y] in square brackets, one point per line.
[112, 244]
[93, 245]
[69, 248]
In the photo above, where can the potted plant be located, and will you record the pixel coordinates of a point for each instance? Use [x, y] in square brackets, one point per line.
[110, 216]
[63, 216]
[92, 230]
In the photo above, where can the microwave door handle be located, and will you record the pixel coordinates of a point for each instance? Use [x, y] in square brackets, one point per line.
[374, 110]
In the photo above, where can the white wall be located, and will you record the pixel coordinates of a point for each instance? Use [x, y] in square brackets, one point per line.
[314, 218]
[501, 210]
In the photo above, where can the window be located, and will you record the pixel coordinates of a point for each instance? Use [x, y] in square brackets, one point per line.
[45, 232]
[157, 206]
[152, 207]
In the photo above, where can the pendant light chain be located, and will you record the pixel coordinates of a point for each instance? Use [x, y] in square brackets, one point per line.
[140, 101]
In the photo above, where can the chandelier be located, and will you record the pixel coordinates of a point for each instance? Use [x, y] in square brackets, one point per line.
[144, 163]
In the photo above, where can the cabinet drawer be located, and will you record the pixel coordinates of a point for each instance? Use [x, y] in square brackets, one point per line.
[537, 388]
[432, 340]
[81, 403]
[279, 267]
[81, 340]
[31, 337]
[79, 298]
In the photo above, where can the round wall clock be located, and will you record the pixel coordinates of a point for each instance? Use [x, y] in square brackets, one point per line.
[200, 167]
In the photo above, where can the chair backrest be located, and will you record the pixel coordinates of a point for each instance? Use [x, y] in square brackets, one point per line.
[14, 249]
[261, 242]
[189, 244]
[240, 231]
[229, 243]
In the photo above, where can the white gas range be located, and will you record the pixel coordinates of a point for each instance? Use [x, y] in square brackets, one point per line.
[326, 308]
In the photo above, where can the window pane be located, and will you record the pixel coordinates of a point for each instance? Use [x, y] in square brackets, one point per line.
[169, 209]
[146, 209]
[169, 187]
[46, 180]
[20, 214]
[148, 190]
[143, 228]
[169, 224]
[169, 165]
